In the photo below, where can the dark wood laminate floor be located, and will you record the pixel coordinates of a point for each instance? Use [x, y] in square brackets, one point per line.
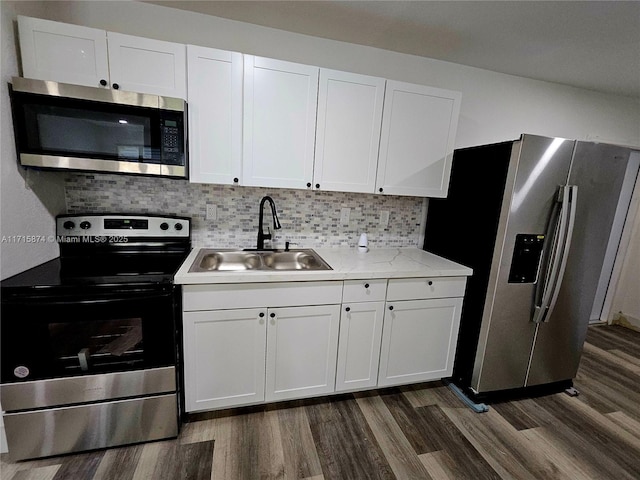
[417, 432]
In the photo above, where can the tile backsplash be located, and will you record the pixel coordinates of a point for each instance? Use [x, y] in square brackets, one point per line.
[308, 218]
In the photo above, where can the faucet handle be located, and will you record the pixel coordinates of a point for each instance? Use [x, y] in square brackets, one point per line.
[286, 245]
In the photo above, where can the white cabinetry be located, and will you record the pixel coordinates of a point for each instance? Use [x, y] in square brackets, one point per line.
[301, 351]
[215, 115]
[416, 144]
[280, 103]
[62, 52]
[348, 131]
[360, 334]
[87, 56]
[419, 336]
[224, 357]
[256, 342]
[248, 343]
[149, 66]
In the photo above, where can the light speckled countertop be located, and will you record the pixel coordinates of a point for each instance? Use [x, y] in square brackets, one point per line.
[347, 264]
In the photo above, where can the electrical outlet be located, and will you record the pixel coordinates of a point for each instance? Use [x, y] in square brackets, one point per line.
[384, 218]
[344, 215]
[212, 212]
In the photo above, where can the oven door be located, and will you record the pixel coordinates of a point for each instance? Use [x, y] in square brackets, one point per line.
[87, 333]
[88, 370]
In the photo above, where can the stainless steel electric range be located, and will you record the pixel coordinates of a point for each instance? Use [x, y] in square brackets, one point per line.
[90, 339]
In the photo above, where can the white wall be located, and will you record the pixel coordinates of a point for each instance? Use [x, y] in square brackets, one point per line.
[28, 200]
[625, 307]
[495, 107]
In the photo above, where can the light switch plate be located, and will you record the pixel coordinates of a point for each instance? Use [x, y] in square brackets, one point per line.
[384, 218]
[345, 213]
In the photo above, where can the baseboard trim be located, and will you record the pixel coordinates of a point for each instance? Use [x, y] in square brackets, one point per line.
[627, 321]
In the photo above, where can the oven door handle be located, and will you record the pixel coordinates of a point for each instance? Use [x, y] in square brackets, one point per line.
[114, 300]
[83, 300]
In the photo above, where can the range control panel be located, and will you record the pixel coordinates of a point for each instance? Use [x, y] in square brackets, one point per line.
[122, 225]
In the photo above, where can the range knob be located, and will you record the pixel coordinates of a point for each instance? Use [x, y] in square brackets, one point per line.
[164, 226]
[69, 225]
[178, 226]
[85, 225]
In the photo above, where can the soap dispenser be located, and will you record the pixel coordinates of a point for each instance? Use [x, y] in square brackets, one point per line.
[363, 244]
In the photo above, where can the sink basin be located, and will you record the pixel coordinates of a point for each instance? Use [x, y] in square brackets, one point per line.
[229, 261]
[294, 260]
[209, 260]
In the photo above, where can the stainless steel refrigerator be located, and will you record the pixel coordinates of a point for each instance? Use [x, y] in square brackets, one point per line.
[539, 220]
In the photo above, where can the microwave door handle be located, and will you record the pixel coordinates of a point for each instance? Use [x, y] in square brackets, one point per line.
[558, 255]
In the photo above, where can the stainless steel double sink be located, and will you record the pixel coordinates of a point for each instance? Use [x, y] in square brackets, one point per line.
[209, 260]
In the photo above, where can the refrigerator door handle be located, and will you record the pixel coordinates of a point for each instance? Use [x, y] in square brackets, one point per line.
[546, 299]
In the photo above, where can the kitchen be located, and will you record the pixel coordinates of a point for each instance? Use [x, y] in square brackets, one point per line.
[488, 95]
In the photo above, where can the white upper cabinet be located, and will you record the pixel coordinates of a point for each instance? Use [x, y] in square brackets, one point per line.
[144, 65]
[79, 55]
[62, 52]
[252, 120]
[417, 139]
[348, 131]
[280, 103]
[215, 115]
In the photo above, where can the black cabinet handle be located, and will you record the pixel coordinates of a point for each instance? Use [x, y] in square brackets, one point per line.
[272, 315]
[235, 180]
[390, 307]
[317, 185]
[308, 184]
[380, 190]
[348, 309]
[366, 285]
[261, 314]
[103, 82]
[430, 282]
[115, 86]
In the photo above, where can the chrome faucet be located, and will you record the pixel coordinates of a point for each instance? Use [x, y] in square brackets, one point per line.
[276, 223]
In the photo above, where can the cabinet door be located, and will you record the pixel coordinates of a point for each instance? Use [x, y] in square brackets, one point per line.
[215, 115]
[348, 131]
[416, 144]
[280, 103]
[144, 65]
[359, 345]
[302, 345]
[418, 340]
[224, 353]
[62, 52]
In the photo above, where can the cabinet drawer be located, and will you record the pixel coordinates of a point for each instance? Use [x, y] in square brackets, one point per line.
[431, 287]
[251, 295]
[364, 290]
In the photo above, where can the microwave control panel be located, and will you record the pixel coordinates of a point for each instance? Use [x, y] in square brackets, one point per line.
[172, 143]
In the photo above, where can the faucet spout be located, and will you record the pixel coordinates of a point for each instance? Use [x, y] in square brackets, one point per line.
[276, 223]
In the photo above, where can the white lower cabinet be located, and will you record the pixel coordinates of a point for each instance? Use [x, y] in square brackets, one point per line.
[263, 342]
[230, 353]
[224, 353]
[238, 356]
[359, 346]
[418, 340]
[301, 351]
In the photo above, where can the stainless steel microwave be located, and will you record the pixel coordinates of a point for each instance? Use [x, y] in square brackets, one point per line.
[72, 127]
